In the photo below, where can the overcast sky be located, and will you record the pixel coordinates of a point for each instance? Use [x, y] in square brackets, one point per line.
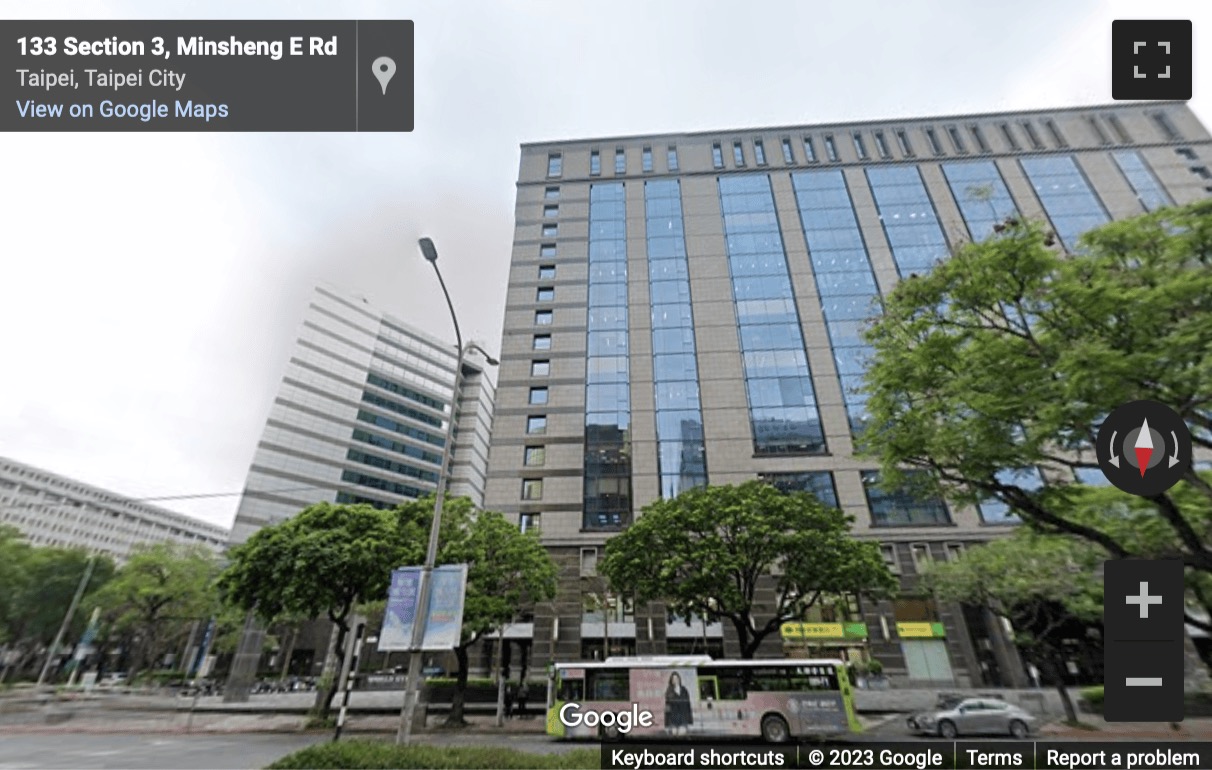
[151, 285]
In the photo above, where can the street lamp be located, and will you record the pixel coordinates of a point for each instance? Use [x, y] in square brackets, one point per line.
[412, 686]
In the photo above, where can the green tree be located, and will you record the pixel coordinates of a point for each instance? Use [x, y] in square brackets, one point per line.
[1042, 584]
[321, 562]
[708, 551]
[506, 569]
[155, 596]
[1007, 356]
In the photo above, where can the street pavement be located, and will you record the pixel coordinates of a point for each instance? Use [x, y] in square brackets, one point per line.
[147, 752]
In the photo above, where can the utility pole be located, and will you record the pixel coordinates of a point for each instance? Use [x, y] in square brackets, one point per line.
[67, 619]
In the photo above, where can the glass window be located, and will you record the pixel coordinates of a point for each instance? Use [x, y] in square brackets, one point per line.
[981, 193]
[1120, 132]
[551, 193]
[1148, 190]
[759, 152]
[788, 152]
[717, 156]
[595, 163]
[555, 164]
[535, 455]
[994, 511]
[979, 136]
[536, 424]
[881, 145]
[957, 141]
[671, 157]
[830, 148]
[542, 342]
[551, 211]
[819, 484]
[888, 553]
[1067, 197]
[589, 564]
[1055, 131]
[738, 154]
[620, 161]
[544, 294]
[646, 159]
[860, 146]
[550, 231]
[546, 272]
[902, 139]
[901, 507]
[932, 138]
[543, 317]
[547, 250]
[532, 489]
[908, 217]
[528, 522]
[540, 368]
[1091, 476]
[1032, 135]
[1008, 133]
[538, 396]
[809, 149]
[1186, 153]
[1097, 129]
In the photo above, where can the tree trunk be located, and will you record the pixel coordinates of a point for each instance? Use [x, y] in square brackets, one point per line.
[290, 650]
[1056, 667]
[455, 718]
[328, 689]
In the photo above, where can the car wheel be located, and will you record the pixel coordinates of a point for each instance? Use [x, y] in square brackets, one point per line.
[774, 729]
[1019, 729]
[946, 729]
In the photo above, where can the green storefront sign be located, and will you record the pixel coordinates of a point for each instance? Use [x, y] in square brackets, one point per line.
[796, 631]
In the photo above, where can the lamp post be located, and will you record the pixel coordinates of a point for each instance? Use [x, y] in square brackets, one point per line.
[412, 686]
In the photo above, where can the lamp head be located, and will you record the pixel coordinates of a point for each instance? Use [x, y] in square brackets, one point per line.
[428, 250]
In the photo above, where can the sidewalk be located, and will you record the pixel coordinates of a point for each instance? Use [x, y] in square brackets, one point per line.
[1192, 729]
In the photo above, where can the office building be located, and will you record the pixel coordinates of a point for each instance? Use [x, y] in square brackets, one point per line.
[361, 416]
[686, 308]
[53, 510]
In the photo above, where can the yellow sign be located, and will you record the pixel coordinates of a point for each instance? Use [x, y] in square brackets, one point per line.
[920, 630]
[796, 630]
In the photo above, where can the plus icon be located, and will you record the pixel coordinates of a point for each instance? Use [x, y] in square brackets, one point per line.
[1144, 599]
[1151, 59]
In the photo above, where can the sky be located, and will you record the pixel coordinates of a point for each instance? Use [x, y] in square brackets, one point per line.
[151, 285]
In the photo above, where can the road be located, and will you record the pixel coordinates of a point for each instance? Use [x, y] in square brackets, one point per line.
[148, 752]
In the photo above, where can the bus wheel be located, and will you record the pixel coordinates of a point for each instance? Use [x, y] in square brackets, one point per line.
[774, 729]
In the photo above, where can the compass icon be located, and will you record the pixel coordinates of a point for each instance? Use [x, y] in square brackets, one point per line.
[1144, 448]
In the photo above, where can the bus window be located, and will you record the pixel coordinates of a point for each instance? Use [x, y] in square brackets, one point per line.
[707, 688]
[806, 678]
[608, 684]
[572, 690]
[731, 682]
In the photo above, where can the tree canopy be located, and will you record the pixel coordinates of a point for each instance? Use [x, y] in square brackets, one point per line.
[709, 550]
[1006, 357]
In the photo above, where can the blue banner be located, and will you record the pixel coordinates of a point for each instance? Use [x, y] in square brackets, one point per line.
[444, 622]
[203, 649]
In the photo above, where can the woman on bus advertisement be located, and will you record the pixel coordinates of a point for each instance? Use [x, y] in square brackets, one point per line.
[678, 714]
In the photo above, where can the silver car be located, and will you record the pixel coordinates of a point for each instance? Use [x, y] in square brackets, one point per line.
[974, 716]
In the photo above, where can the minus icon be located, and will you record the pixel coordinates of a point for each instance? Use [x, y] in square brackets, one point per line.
[1143, 681]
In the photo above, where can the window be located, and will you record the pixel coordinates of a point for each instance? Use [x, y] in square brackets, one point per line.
[1067, 197]
[982, 196]
[1186, 153]
[1201, 172]
[532, 489]
[888, 553]
[528, 521]
[646, 159]
[620, 161]
[738, 154]
[540, 368]
[979, 137]
[1097, 129]
[555, 164]
[546, 272]
[788, 152]
[860, 146]
[1148, 190]
[589, 562]
[534, 455]
[544, 294]
[902, 139]
[671, 157]
[547, 250]
[550, 231]
[595, 163]
[542, 342]
[538, 396]
[543, 317]
[881, 145]
[921, 557]
[1008, 133]
[830, 147]
[1057, 136]
[1120, 132]
[809, 149]
[536, 424]
[551, 193]
[819, 484]
[957, 140]
[1032, 135]
[759, 152]
[717, 155]
[1168, 129]
[551, 211]
[955, 551]
[900, 507]
[932, 138]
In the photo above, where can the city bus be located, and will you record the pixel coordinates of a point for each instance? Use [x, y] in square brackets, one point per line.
[698, 696]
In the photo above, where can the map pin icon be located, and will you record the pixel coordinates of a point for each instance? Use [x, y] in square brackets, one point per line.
[384, 68]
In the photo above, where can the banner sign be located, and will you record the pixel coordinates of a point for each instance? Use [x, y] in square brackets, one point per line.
[444, 622]
[796, 630]
[920, 630]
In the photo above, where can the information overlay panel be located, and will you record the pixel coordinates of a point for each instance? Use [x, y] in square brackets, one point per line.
[206, 75]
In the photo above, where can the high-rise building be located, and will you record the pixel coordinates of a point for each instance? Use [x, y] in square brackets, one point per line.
[53, 510]
[691, 313]
[361, 417]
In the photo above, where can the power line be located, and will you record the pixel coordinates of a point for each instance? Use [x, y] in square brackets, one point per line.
[204, 495]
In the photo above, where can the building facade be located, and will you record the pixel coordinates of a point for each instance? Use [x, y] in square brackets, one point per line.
[686, 308]
[361, 416]
[53, 510]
